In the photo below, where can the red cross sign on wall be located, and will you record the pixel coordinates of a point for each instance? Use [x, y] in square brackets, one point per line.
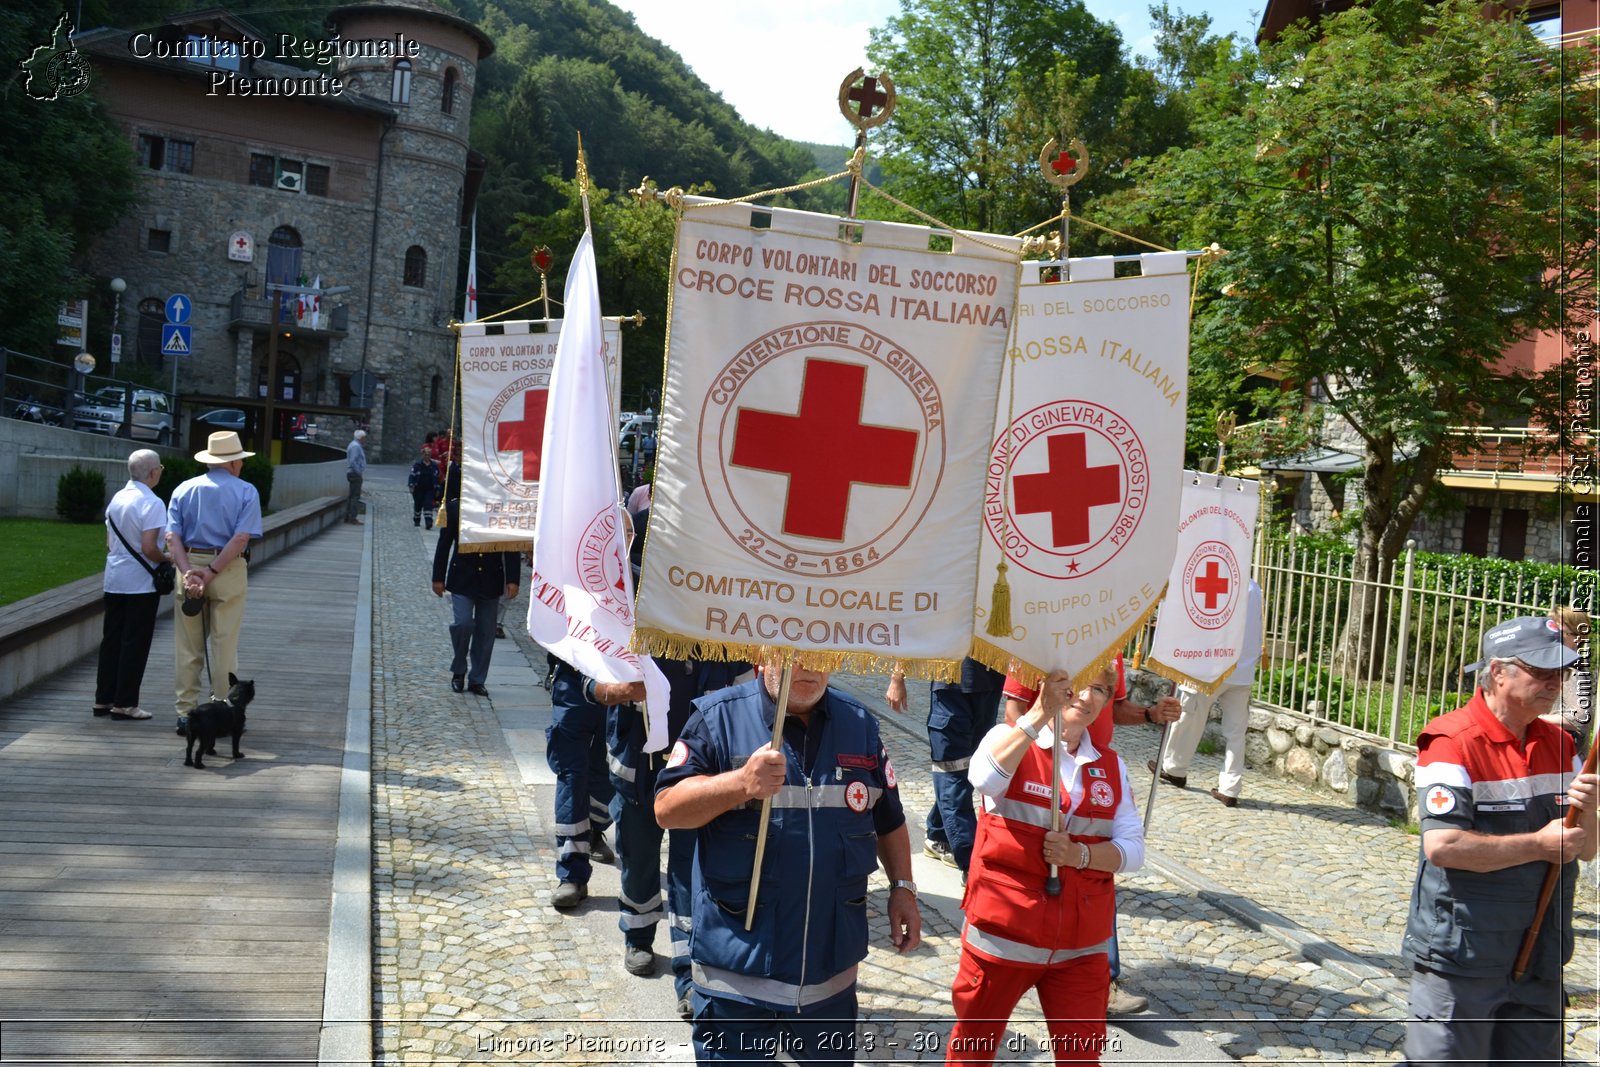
[1211, 585]
[824, 449]
[527, 434]
[1068, 489]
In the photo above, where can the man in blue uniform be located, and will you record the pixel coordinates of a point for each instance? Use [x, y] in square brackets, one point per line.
[633, 775]
[789, 982]
[575, 747]
[1494, 783]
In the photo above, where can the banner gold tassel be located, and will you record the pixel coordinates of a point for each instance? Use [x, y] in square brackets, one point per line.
[999, 604]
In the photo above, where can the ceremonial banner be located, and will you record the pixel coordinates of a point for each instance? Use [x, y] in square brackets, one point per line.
[823, 433]
[1085, 463]
[581, 602]
[1203, 618]
[505, 381]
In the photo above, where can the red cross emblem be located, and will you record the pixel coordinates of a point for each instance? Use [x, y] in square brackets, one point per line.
[855, 795]
[513, 434]
[867, 97]
[826, 456]
[1076, 465]
[241, 243]
[1068, 489]
[1064, 163]
[1211, 584]
[526, 435]
[1439, 800]
[824, 450]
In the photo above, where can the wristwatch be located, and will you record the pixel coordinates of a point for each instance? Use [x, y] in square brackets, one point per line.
[904, 883]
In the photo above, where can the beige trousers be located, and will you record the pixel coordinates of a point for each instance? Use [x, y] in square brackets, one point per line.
[223, 615]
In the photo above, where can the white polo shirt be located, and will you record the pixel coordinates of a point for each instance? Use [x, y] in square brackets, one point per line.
[134, 509]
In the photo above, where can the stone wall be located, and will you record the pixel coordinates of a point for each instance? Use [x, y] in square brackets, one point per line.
[1355, 767]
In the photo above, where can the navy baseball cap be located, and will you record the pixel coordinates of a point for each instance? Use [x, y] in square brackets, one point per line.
[1533, 639]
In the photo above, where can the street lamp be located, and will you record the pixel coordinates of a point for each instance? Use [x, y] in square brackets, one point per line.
[119, 287]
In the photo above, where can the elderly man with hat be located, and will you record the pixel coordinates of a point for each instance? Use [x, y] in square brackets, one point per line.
[1494, 784]
[211, 518]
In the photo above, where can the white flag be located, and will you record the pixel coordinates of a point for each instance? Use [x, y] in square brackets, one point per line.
[470, 312]
[1205, 619]
[581, 607]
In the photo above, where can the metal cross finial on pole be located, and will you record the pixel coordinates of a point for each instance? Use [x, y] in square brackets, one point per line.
[872, 107]
[1064, 169]
[542, 261]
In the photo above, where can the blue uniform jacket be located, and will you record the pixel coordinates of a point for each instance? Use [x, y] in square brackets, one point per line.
[810, 928]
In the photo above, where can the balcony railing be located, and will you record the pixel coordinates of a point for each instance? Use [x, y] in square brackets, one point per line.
[256, 313]
[1515, 453]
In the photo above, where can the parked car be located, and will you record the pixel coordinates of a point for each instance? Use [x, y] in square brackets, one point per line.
[224, 419]
[101, 412]
[638, 439]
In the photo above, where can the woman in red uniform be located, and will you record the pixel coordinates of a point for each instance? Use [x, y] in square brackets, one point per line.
[1017, 937]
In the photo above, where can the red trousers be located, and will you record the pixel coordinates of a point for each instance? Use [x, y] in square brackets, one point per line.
[1072, 994]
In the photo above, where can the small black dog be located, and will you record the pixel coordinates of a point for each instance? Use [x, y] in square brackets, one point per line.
[218, 718]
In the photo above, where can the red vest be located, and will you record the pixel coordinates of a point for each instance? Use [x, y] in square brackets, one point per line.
[1009, 917]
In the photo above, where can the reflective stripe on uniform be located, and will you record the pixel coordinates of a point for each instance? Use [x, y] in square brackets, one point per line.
[819, 796]
[1035, 815]
[951, 766]
[618, 768]
[1004, 948]
[572, 829]
[769, 990]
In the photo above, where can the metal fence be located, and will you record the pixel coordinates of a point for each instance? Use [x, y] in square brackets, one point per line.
[1383, 655]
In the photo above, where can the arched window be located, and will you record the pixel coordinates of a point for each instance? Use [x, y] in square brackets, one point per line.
[416, 267]
[447, 102]
[400, 87]
[283, 268]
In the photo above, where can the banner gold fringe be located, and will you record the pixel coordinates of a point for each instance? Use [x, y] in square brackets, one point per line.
[1182, 678]
[653, 642]
[492, 546]
[996, 658]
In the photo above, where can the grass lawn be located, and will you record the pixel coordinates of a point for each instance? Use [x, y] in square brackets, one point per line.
[41, 554]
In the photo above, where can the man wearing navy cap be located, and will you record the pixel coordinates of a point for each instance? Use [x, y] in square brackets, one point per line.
[1494, 783]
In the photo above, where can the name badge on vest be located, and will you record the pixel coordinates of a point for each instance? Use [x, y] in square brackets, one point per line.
[1503, 807]
[1037, 789]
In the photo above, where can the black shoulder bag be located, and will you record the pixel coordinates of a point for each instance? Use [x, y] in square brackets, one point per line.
[163, 574]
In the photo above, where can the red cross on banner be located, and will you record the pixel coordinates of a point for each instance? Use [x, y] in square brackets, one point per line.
[868, 97]
[527, 434]
[1211, 585]
[825, 449]
[1068, 489]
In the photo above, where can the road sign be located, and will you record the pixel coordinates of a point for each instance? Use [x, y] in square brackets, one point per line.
[176, 340]
[179, 308]
[116, 348]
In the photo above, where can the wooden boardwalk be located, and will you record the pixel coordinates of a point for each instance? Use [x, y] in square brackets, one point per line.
[152, 913]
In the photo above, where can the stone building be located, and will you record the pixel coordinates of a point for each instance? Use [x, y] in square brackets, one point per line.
[271, 161]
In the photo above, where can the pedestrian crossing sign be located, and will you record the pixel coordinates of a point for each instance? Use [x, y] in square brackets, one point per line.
[176, 340]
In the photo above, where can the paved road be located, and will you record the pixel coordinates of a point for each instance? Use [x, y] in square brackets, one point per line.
[1264, 932]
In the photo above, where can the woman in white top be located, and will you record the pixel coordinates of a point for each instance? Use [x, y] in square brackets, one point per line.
[131, 599]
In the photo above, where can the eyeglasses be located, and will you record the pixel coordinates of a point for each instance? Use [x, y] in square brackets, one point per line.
[1543, 674]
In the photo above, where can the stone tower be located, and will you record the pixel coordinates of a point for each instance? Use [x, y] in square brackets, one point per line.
[427, 73]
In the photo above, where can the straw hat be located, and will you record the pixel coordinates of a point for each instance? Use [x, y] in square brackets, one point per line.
[223, 447]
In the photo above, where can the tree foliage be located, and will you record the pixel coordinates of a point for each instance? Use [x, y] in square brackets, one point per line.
[1403, 198]
[982, 85]
[66, 175]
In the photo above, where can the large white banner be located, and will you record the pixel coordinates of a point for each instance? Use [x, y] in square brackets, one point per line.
[1201, 628]
[1086, 461]
[823, 434]
[505, 383]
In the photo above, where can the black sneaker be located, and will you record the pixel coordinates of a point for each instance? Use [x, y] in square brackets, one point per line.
[599, 851]
[183, 727]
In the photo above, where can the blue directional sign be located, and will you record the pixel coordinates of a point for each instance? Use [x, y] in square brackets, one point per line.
[176, 340]
[179, 307]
